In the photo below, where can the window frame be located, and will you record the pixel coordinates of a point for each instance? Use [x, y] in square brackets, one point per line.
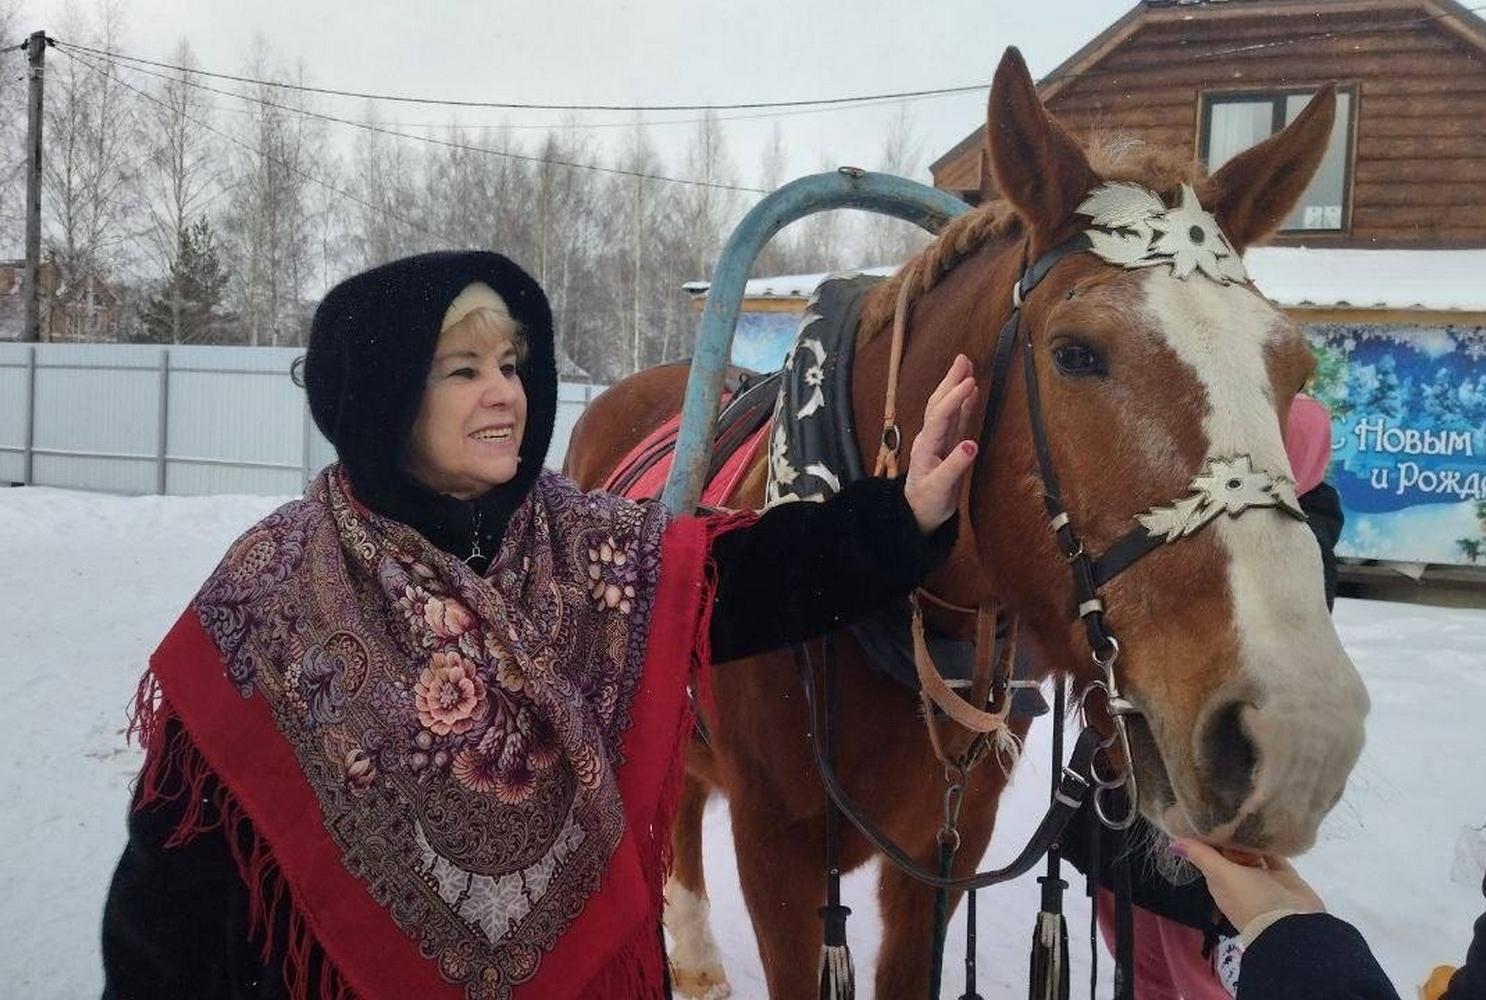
[1277, 97]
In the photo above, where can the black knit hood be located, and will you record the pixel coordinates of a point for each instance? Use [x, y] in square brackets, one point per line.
[371, 346]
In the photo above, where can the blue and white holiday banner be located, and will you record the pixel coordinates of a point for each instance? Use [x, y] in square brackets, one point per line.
[762, 339]
[1408, 419]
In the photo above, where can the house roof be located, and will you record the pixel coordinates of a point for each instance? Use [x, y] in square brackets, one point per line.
[1293, 277]
[1452, 15]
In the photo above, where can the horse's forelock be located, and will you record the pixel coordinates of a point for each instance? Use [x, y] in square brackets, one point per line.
[1119, 157]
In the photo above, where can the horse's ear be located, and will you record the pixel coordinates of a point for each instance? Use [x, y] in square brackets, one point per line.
[1039, 169]
[1258, 187]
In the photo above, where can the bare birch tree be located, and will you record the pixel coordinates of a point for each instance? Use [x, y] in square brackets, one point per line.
[780, 255]
[12, 130]
[890, 240]
[701, 215]
[272, 217]
[388, 194]
[91, 163]
[180, 176]
[629, 258]
[823, 241]
[479, 192]
[564, 228]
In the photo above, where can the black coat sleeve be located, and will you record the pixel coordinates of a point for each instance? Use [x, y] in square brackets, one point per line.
[1312, 956]
[805, 568]
[1319, 957]
[1323, 512]
[1469, 981]
[175, 922]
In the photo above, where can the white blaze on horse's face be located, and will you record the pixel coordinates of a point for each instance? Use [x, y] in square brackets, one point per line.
[1291, 714]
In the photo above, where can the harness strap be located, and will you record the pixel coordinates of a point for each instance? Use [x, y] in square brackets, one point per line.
[837, 974]
[892, 436]
[1072, 787]
[934, 689]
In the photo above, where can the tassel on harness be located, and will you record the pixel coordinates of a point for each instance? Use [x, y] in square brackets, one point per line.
[1048, 978]
[836, 971]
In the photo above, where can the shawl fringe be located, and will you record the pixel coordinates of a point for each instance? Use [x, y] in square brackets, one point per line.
[175, 770]
[634, 971]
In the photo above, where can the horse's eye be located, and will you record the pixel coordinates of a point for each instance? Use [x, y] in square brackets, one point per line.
[1078, 360]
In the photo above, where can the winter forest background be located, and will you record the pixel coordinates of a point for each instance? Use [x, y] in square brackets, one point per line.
[219, 209]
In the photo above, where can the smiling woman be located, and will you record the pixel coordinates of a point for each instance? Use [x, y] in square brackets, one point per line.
[421, 732]
[466, 437]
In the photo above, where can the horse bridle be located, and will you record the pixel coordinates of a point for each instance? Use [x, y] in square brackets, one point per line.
[1226, 485]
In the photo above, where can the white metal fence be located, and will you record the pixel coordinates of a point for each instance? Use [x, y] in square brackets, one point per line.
[180, 420]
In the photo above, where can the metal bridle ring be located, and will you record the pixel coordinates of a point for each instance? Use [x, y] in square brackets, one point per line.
[1124, 823]
[1119, 775]
[1114, 654]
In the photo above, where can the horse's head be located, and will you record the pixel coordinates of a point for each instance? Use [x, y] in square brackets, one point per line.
[1162, 383]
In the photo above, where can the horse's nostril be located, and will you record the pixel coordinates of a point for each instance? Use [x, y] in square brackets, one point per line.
[1228, 760]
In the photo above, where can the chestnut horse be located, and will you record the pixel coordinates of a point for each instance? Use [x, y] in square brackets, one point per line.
[1162, 381]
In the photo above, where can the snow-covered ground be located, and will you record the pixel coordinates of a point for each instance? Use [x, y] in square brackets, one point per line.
[92, 582]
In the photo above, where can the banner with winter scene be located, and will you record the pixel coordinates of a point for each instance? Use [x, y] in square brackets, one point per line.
[762, 339]
[1408, 418]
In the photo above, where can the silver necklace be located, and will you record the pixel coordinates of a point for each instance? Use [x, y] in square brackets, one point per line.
[475, 552]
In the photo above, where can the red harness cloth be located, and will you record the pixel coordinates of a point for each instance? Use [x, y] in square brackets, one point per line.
[650, 483]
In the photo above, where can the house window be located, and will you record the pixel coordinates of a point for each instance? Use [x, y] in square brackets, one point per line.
[1231, 123]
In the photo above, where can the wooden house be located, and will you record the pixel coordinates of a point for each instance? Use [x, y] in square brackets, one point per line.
[1384, 261]
[1407, 167]
[75, 307]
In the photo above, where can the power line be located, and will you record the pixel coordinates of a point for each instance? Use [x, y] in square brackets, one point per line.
[515, 106]
[381, 130]
[825, 102]
[303, 174]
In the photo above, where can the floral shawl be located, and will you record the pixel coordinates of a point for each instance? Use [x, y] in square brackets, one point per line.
[465, 783]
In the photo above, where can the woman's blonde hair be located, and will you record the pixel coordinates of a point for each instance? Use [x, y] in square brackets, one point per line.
[487, 321]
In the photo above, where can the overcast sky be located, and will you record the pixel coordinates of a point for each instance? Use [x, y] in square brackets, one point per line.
[637, 53]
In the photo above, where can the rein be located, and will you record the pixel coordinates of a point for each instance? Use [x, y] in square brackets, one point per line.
[1072, 786]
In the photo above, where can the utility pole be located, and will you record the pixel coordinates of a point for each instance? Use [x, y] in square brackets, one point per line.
[36, 54]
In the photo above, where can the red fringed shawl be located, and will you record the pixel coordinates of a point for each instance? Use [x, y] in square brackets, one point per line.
[465, 785]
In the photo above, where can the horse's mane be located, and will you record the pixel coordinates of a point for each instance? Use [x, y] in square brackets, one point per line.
[1117, 158]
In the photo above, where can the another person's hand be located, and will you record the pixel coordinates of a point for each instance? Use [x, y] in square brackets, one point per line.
[941, 455]
[1251, 896]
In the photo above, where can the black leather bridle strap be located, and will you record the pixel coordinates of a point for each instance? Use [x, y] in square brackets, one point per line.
[1090, 607]
[1006, 340]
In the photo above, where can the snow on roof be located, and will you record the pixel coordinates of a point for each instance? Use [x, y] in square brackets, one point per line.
[1371, 279]
[1292, 276]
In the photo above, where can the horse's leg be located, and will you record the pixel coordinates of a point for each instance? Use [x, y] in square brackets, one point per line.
[784, 887]
[907, 906]
[696, 963]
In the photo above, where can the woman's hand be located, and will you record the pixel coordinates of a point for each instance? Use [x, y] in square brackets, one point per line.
[941, 455]
[1268, 889]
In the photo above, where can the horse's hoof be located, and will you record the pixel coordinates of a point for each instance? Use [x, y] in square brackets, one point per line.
[700, 984]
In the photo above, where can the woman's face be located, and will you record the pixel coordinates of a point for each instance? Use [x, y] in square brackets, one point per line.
[466, 437]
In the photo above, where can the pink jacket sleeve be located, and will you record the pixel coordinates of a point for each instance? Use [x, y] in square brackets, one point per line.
[1308, 442]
